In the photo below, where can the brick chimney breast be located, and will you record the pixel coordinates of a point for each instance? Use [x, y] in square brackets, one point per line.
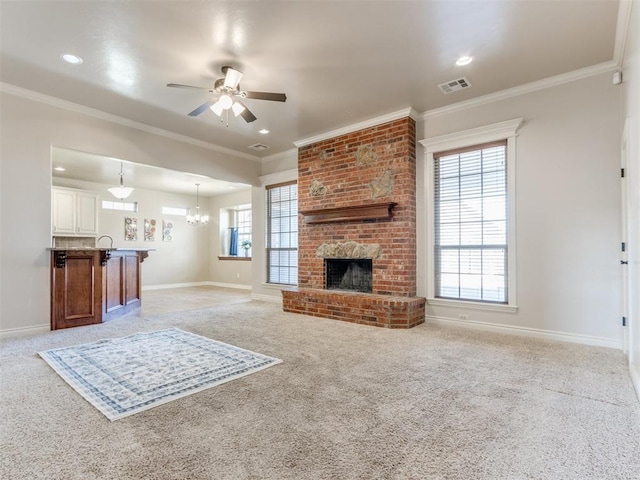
[358, 169]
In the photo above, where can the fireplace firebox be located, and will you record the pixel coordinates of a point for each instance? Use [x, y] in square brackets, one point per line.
[349, 274]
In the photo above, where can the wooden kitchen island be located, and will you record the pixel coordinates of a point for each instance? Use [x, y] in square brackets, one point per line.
[93, 285]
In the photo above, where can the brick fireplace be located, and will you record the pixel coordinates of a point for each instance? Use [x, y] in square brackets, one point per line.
[357, 204]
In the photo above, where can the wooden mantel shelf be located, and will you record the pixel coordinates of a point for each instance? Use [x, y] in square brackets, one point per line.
[371, 211]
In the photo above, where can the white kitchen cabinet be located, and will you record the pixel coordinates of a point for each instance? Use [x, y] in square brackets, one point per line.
[74, 212]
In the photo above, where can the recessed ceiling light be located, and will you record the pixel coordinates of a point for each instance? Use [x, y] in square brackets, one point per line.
[60, 169]
[466, 60]
[264, 131]
[72, 59]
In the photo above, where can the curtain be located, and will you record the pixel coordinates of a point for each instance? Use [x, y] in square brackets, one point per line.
[233, 241]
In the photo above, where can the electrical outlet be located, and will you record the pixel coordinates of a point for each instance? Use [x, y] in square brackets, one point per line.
[237, 275]
[463, 316]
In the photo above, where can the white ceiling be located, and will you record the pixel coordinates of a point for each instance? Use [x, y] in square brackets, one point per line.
[339, 62]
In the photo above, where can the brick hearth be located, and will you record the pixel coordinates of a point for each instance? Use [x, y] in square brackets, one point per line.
[359, 171]
[376, 310]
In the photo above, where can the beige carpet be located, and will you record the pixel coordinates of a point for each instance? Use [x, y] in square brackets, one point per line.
[349, 402]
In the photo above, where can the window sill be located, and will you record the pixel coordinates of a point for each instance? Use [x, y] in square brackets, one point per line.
[491, 307]
[231, 257]
[278, 286]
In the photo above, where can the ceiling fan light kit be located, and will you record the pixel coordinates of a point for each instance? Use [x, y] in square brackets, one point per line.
[228, 89]
[217, 108]
[238, 108]
[225, 101]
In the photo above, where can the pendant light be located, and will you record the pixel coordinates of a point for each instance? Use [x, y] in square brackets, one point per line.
[197, 219]
[121, 192]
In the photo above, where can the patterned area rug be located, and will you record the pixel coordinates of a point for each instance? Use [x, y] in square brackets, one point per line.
[123, 376]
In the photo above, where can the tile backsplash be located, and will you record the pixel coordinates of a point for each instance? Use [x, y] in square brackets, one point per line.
[68, 242]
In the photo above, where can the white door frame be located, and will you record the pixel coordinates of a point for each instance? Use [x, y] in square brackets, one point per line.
[624, 258]
[630, 196]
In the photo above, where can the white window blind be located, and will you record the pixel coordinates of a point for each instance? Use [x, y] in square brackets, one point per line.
[282, 233]
[471, 223]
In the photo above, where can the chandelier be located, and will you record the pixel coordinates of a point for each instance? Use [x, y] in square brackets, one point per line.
[120, 192]
[197, 219]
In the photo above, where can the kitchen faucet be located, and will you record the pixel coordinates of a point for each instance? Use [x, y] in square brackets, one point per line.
[105, 236]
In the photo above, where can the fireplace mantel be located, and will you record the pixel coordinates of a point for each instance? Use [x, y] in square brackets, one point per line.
[370, 211]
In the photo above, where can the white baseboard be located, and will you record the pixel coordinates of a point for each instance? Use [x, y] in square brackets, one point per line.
[635, 378]
[25, 331]
[196, 284]
[529, 332]
[173, 285]
[229, 285]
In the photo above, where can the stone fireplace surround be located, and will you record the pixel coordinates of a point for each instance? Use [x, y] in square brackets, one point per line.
[356, 195]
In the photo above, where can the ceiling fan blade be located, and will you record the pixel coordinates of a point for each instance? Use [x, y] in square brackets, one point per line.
[275, 97]
[231, 77]
[247, 115]
[202, 108]
[179, 85]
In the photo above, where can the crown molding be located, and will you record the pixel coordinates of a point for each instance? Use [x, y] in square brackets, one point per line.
[92, 112]
[556, 80]
[279, 177]
[622, 28]
[292, 152]
[389, 117]
[486, 133]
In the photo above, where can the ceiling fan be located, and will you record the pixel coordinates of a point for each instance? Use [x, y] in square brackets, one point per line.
[230, 96]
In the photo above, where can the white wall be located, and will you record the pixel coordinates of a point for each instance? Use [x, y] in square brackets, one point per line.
[259, 288]
[28, 129]
[631, 89]
[280, 162]
[568, 201]
[567, 210]
[277, 168]
[228, 272]
[183, 260]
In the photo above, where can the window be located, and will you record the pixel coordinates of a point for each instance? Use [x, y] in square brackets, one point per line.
[180, 211]
[242, 221]
[123, 206]
[282, 233]
[470, 230]
[235, 232]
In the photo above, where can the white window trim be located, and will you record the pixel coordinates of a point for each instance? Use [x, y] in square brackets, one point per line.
[476, 136]
[236, 223]
[258, 240]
